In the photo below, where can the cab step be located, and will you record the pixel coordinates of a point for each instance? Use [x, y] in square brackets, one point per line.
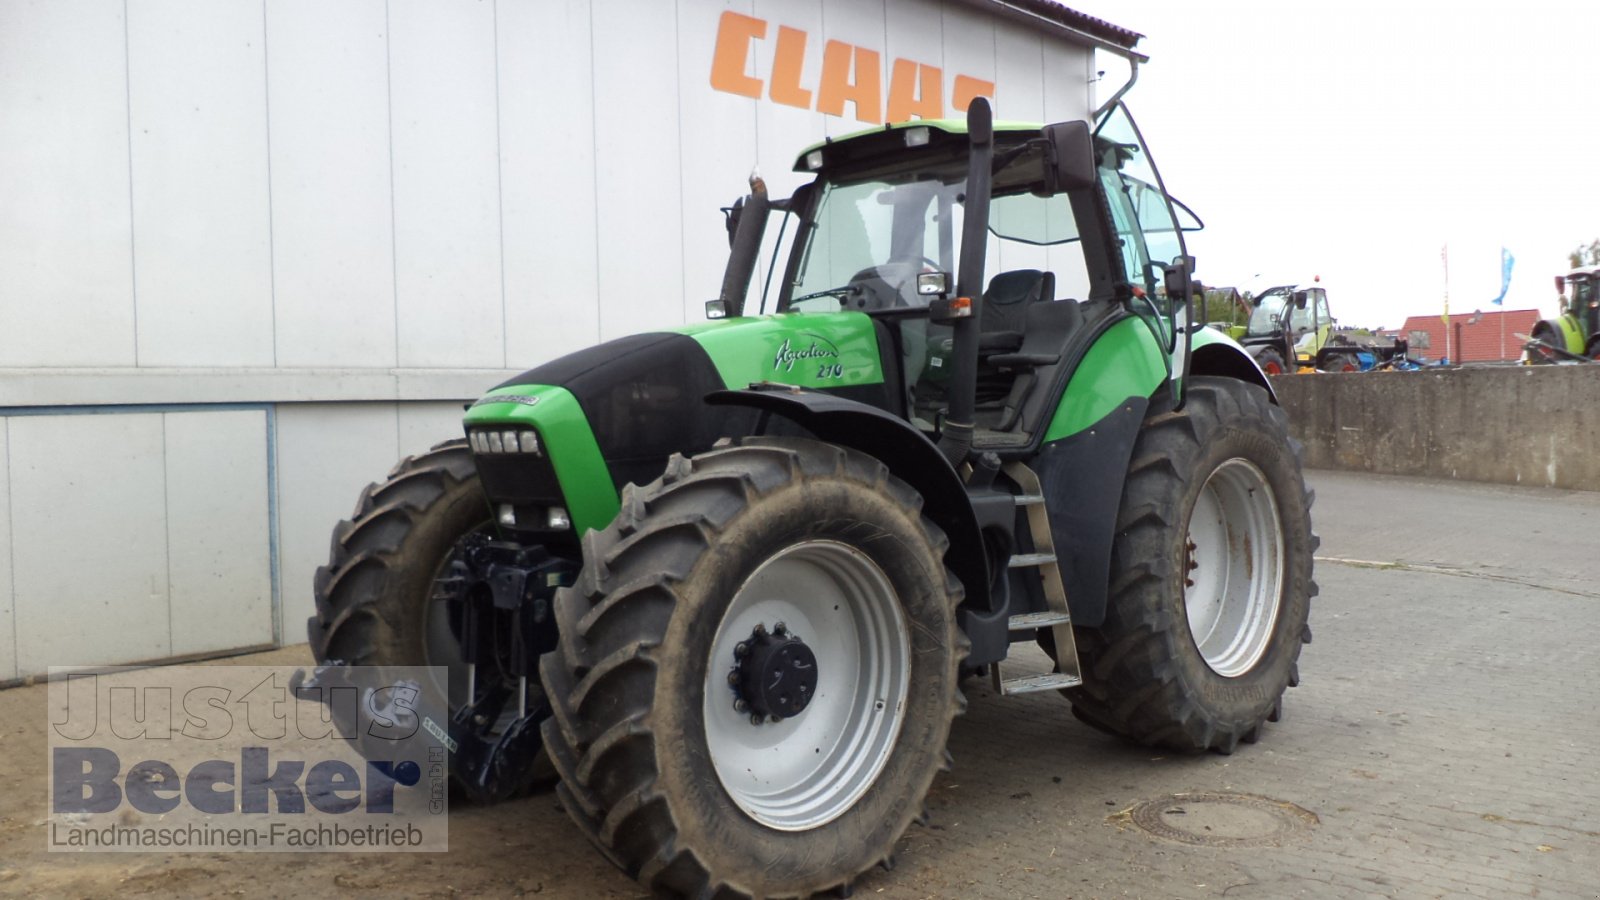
[1044, 681]
[1056, 615]
[1035, 620]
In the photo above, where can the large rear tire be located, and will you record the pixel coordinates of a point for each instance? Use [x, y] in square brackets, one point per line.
[669, 761]
[375, 599]
[1210, 577]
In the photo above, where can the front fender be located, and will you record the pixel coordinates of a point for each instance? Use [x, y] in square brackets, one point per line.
[906, 451]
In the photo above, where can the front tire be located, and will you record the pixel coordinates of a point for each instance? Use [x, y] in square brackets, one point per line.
[1210, 577]
[377, 599]
[663, 763]
[1271, 361]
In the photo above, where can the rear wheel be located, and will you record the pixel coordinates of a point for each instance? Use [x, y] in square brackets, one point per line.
[1210, 580]
[756, 673]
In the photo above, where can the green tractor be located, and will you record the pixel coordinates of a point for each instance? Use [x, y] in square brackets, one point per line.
[1574, 334]
[724, 583]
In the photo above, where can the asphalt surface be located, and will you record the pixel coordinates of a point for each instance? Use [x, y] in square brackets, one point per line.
[1441, 744]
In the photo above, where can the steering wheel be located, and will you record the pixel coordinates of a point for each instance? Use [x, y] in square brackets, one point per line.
[885, 286]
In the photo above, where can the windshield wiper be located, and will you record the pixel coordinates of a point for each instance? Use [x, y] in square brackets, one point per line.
[840, 292]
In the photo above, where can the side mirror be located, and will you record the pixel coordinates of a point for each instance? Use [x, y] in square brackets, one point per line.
[1299, 299]
[1178, 278]
[1071, 156]
[1561, 284]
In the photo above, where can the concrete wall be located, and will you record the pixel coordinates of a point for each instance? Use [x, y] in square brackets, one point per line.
[252, 251]
[1536, 425]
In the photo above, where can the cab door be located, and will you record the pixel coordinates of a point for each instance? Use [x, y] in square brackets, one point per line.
[1148, 225]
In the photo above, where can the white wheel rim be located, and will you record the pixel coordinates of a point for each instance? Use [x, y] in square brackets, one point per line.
[807, 770]
[1233, 568]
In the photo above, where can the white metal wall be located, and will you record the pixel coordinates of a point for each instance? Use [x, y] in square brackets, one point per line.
[345, 215]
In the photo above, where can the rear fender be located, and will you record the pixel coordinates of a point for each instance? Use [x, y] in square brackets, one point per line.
[906, 451]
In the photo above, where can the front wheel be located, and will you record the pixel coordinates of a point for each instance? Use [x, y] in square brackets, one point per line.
[1210, 578]
[759, 659]
[387, 598]
[1271, 362]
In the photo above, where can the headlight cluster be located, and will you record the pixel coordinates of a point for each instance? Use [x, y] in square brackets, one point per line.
[507, 441]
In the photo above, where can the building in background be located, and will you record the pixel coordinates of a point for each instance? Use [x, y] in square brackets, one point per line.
[252, 253]
[1474, 337]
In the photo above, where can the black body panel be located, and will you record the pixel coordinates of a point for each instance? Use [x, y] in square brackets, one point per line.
[1082, 476]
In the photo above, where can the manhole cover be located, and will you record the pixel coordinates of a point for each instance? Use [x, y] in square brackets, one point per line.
[1220, 820]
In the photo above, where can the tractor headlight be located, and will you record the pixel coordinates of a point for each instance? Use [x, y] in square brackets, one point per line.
[508, 441]
[557, 519]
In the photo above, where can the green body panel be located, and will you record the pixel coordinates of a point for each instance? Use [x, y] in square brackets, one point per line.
[1571, 332]
[565, 435]
[818, 350]
[1126, 361]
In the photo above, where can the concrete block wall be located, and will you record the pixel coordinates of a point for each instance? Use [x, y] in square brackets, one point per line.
[1532, 425]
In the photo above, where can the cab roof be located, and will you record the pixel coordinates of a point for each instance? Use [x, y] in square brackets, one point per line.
[946, 127]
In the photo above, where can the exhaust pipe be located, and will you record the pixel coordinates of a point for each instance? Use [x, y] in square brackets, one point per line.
[746, 247]
[955, 440]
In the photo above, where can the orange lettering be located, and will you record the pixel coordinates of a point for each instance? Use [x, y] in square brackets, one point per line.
[734, 34]
[787, 64]
[966, 88]
[866, 91]
[915, 90]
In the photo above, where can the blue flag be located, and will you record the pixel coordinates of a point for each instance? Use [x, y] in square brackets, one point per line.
[1506, 261]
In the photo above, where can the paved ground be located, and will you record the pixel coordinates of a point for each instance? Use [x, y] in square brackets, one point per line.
[1442, 744]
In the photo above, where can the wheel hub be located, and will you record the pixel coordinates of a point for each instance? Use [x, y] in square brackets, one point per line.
[776, 674]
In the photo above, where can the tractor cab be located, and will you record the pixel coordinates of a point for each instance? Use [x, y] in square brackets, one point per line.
[1575, 332]
[1583, 302]
[893, 226]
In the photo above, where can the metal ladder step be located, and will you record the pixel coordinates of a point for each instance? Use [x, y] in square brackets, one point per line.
[1045, 681]
[1056, 616]
[1031, 621]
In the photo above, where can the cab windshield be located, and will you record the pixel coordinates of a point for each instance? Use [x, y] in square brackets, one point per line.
[1267, 316]
[871, 233]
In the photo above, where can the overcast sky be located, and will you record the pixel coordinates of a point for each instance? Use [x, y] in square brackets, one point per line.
[1352, 140]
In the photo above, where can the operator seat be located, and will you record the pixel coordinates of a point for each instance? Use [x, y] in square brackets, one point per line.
[1046, 330]
[1006, 304]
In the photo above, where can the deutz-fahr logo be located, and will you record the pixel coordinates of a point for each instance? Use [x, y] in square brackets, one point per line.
[821, 352]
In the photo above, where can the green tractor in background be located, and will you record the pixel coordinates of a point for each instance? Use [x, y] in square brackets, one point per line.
[724, 582]
[1574, 334]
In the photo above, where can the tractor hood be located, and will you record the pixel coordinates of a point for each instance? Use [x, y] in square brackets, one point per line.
[613, 413]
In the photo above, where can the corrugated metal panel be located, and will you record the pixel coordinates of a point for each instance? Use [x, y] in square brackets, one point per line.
[446, 183]
[201, 235]
[66, 265]
[332, 219]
